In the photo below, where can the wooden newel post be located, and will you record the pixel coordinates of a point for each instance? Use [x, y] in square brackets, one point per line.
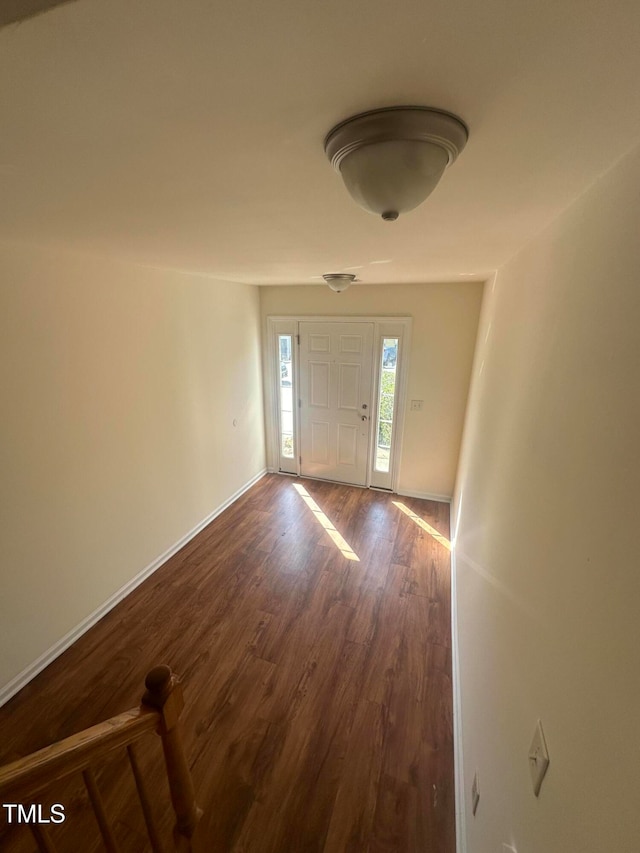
[164, 693]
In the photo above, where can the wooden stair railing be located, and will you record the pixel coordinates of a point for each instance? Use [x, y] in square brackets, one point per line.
[159, 711]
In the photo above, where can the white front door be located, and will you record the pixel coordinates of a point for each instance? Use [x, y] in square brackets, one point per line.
[335, 400]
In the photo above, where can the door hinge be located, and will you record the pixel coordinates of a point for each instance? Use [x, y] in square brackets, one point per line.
[300, 459]
[299, 403]
[298, 339]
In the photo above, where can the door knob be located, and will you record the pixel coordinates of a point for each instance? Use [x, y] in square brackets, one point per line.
[363, 417]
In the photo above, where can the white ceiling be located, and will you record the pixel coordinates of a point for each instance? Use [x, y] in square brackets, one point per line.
[189, 134]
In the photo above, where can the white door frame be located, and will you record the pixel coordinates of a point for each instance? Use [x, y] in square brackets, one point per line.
[384, 326]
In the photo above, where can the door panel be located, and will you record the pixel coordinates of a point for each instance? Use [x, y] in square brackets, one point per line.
[349, 387]
[319, 343]
[319, 454]
[319, 378]
[350, 343]
[347, 444]
[335, 394]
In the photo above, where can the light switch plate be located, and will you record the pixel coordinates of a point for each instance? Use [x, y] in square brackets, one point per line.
[475, 793]
[416, 405]
[538, 758]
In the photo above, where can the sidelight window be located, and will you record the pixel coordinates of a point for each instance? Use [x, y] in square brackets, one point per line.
[386, 403]
[285, 343]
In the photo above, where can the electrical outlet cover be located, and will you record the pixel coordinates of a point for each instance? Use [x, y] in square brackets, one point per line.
[538, 758]
[475, 793]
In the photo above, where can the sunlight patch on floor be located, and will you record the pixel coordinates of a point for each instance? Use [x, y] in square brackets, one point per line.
[423, 524]
[338, 541]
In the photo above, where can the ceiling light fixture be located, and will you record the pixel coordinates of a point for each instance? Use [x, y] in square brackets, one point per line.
[339, 281]
[391, 159]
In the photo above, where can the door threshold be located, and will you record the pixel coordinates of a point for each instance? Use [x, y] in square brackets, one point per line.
[337, 482]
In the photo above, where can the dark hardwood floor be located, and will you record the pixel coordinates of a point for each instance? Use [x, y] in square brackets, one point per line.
[318, 686]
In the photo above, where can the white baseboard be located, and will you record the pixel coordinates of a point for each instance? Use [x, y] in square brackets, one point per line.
[426, 496]
[24, 677]
[459, 781]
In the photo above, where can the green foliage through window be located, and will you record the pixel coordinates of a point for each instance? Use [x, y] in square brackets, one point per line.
[388, 382]
[287, 446]
[384, 435]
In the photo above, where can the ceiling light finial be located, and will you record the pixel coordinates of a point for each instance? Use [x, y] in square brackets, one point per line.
[339, 281]
[391, 159]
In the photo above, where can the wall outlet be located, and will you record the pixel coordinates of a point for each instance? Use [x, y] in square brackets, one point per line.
[416, 405]
[475, 793]
[538, 758]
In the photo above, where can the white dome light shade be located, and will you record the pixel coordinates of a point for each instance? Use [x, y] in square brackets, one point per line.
[392, 159]
[339, 281]
[393, 177]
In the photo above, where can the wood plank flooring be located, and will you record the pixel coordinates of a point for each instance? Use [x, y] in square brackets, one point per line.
[318, 687]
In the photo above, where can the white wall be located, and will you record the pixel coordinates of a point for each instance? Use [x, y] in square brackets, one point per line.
[119, 389]
[547, 548]
[445, 322]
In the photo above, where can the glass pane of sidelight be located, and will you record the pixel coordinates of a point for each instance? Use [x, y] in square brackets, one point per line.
[386, 396]
[286, 395]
